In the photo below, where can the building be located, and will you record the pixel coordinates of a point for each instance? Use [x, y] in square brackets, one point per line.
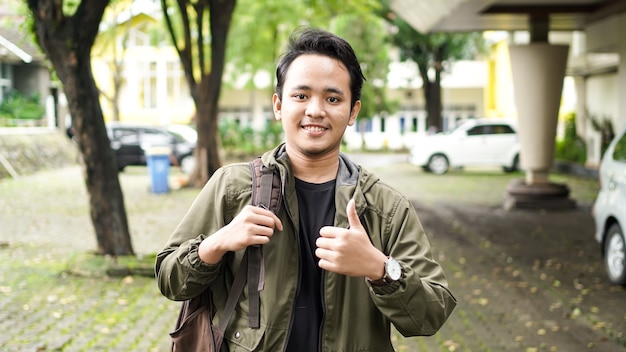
[539, 66]
[23, 68]
[153, 88]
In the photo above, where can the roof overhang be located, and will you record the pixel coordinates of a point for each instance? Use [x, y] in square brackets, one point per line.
[508, 15]
[11, 51]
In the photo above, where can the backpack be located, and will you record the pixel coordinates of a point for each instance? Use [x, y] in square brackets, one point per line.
[194, 330]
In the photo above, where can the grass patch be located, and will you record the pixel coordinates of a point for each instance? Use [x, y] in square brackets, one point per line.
[87, 264]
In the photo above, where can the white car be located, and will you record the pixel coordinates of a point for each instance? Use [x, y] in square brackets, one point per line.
[609, 210]
[476, 142]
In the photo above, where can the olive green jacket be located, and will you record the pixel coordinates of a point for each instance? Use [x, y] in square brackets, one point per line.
[357, 316]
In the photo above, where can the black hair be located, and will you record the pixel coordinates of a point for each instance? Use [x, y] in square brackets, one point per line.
[317, 41]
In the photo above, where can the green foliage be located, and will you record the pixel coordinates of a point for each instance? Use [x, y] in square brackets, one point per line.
[260, 30]
[246, 140]
[571, 147]
[17, 106]
[366, 34]
[433, 53]
[433, 50]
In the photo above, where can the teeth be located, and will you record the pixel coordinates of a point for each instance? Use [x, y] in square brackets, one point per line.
[313, 128]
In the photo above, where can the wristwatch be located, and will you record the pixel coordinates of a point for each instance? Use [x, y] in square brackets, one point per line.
[393, 272]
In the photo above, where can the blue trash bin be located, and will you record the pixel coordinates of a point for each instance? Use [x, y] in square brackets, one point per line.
[158, 160]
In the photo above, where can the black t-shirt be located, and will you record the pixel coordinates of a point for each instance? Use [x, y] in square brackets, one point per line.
[316, 206]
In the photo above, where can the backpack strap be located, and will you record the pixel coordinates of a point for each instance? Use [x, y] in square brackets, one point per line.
[266, 189]
[266, 186]
[235, 291]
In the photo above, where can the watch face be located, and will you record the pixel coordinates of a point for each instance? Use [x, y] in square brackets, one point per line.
[393, 269]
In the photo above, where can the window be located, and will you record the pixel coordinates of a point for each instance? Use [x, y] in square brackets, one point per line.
[155, 137]
[490, 129]
[501, 129]
[364, 125]
[126, 135]
[478, 130]
[148, 85]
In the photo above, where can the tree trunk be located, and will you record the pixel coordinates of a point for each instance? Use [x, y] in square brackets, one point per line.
[67, 42]
[432, 97]
[208, 147]
[206, 91]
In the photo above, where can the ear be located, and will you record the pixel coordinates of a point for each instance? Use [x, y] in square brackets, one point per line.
[277, 105]
[354, 112]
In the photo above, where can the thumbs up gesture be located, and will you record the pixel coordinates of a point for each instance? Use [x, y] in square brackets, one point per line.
[349, 251]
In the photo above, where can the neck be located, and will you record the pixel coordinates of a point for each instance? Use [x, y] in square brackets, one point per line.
[317, 169]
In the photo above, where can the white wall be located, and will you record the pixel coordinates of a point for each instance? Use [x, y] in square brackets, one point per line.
[602, 103]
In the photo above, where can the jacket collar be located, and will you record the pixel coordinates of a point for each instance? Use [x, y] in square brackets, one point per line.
[347, 175]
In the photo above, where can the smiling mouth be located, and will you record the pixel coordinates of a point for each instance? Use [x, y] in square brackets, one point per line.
[314, 128]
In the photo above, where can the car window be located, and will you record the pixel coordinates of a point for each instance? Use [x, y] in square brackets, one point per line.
[478, 130]
[619, 152]
[126, 135]
[184, 133]
[501, 129]
[156, 137]
[490, 129]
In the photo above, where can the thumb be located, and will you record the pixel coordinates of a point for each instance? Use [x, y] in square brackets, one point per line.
[353, 217]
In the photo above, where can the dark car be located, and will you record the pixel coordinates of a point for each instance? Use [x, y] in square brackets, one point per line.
[131, 142]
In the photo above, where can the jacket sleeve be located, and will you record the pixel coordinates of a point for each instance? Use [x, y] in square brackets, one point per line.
[420, 302]
[180, 273]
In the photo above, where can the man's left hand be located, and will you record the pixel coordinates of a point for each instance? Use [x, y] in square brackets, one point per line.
[349, 251]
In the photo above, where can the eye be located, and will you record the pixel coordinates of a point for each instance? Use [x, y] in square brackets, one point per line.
[299, 96]
[333, 99]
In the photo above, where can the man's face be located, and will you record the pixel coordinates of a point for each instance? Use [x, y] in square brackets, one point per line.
[315, 106]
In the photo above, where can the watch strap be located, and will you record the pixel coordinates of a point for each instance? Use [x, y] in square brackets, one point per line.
[385, 280]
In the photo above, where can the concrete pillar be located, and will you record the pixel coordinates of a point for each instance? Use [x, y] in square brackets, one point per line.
[538, 72]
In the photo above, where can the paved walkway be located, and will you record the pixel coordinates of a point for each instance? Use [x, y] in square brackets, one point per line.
[526, 281]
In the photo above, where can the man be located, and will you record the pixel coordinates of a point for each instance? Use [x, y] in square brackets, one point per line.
[346, 255]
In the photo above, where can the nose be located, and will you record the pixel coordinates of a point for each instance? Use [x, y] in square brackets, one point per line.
[315, 108]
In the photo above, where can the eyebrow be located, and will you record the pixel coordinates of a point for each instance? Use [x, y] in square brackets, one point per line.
[327, 90]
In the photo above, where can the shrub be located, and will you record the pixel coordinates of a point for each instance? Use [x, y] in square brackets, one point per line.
[571, 147]
[18, 107]
[246, 140]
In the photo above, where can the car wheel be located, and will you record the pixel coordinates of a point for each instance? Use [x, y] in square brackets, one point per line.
[187, 164]
[438, 164]
[514, 166]
[615, 254]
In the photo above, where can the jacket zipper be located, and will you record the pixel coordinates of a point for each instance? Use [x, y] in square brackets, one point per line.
[319, 342]
[293, 308]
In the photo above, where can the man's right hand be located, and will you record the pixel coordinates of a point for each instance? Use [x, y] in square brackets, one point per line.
[252, 226]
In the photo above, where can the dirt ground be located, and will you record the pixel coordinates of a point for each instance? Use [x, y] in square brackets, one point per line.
[526, 280]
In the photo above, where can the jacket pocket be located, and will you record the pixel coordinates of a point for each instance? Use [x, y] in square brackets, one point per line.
[240, 337]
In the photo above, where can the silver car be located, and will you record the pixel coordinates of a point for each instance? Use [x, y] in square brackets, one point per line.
[609, 210]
